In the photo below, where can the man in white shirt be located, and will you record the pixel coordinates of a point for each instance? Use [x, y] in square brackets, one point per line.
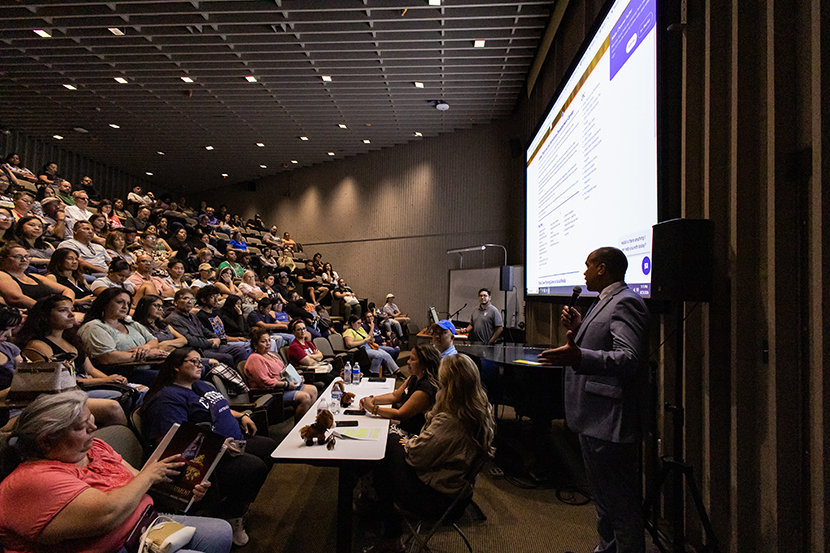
[79, 211]
[205, 276]
[94, 259]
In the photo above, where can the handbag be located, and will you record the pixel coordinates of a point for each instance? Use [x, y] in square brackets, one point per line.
[40, 377]
[165, 535]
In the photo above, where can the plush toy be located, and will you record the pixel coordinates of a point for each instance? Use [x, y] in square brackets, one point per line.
[346, 399]
[324, 421]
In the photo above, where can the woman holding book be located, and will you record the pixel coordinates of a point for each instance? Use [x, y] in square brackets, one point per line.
[179, 394]
[88, 497]
[264, 371]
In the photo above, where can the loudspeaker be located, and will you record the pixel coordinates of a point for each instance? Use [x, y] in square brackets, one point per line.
[506, 281]
[682, 268]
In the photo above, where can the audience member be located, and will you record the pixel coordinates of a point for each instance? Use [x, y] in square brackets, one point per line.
[175, 268]
[78, 211]
[28, 232]
[267, 261]
[443, 336]
[140, 222]
[89, 188]
[12, 162]
[22, 289]
[65, 269]
[94, 258]
[22, 200]
[288, 243]
[230, 261]
[272, 238]
[6, 221]
[394, 317]
[55, 219]
[137, 200]
[237, 242]
[119, 211]
[63, 192]
[118, 276]
[149, 311]
[378, 338]
[99, 228]
[285, 261]
[307, 278]
[206, 273]
[105, 208]
[225, 284]
[302, 351]
[116, 246]
[144, 274]
[356, 337]
[48, 176]
[42, 194]
[350, 302]
[330, 276]
[261, 317]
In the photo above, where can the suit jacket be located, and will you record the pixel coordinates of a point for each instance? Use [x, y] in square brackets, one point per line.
[602, 394]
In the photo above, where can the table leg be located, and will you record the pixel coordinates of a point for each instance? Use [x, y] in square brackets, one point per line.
[346, 482]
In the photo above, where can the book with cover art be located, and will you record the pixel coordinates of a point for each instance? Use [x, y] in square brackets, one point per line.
[200, 449]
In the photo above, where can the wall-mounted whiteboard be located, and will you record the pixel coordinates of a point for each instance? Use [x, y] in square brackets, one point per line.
[464, 287]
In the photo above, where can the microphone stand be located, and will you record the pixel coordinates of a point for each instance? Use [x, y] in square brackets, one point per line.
[457, 312]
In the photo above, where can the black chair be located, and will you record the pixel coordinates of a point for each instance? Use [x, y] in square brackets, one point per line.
[275, 414]
[242, 402]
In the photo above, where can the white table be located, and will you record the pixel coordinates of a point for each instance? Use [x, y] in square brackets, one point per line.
[346, 451]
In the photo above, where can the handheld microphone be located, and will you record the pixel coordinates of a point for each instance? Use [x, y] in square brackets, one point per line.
[577, 290]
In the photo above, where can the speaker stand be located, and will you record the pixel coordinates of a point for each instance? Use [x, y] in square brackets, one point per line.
[675, 465]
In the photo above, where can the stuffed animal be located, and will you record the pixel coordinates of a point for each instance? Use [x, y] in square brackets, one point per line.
[346, 399]
[324, 421]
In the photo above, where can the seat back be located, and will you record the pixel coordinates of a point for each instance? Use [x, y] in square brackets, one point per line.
[284, 354]
[137, 422]
[124, 442]
[324, 346]
[337, 343]
[338, 307]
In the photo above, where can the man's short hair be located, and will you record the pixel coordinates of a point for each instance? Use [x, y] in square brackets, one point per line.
[77, 193]
[615, 261]
[79, 224]
[205, 292]
[142, 208]
[266, 302]
[119, 265]
[485, 290]
[182, 293]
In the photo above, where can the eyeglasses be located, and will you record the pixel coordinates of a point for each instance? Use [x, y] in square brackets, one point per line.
[6, 218]
[192, 361]
[157, 305]
[21, 257]
[27, 200]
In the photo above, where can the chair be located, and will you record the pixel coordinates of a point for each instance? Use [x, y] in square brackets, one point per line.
[411, 331]
[253, 250]
[324, 346]
[275, 413]
[450, 517]
[124, 442]
[222, 236]
[241, 402]
[338, 345]
[137, 422]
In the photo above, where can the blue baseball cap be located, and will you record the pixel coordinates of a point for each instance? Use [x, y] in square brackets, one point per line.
[445, 324]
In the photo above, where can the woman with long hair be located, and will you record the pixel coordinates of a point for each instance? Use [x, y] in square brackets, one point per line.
[116, 246]
[43, 193]
[110, 337]
[65, 490]
[49, 331]
[233, 317]
[119, 211]
[410, 402]
[6, 222]
[113, 221]
[250, 291]
[28, 232]
[22, 289]
[100, 228]
[428, 471]
[356, 337]
[224, 281]
[264, 369]
[179, 394]
[150, 312]
[65, 269]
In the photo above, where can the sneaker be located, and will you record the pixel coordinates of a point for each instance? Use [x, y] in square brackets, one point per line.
[240, 536]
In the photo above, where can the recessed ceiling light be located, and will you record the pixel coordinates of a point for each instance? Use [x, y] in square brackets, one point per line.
[419, 85]
[224, 175]
[250, 79]
[42, 33]
[294, 161]
[69, 87]
[342, 126]
[331, 153]
[187, 79]
[80, 130]
[57, 137]
[367, 141]
[303, 138]
[149, 174]
[114, 126]
[208, 147]
[121, 80]
[160, 153]
[434, 2]
[116, 31]
[260, 144]
[264, 166]
[478, 44]
[418, 134]
[327, 78]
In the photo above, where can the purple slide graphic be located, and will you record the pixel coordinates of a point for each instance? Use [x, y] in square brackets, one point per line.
[634, 24]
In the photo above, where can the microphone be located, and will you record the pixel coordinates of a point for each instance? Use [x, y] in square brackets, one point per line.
[459, 311]
[577, 290]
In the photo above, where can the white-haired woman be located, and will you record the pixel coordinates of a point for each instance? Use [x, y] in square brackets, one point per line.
[88, 498]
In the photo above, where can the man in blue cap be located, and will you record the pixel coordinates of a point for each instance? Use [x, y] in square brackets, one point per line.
[443, 335]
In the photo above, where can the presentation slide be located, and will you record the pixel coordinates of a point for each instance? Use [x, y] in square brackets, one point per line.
[592, 166]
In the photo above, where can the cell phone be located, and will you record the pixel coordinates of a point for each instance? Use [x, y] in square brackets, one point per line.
[377, 379]
[346, 423]
[354, 412]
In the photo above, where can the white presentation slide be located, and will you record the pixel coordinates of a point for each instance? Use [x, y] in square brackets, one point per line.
[592, 167]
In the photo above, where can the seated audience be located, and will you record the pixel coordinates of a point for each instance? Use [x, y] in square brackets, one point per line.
[12, 163]
[65, 269]
[267, 261]
[262, 318]
[22, 289]
[225, 284]
[94, 258]
[411, 401]
[394, 317]
[140, 222]
[284, 286]
[118, 276]
[237, 242]
[48, 176]
[285, 262]
[7, 185]
[230, 261]
[28, 232]
[89, 188]
[88, 498]
[377, 335]
[356, 337]
[49, 331]
[189, 326]
[6, 222]
[150, 245]
[426, 472]
[264, 368]
[136, 199]
[78, 211]
[119, 211]
[43, 193]
[256, 223]
[308, 283]
[179, 395]
[55, 219]
[22, 201]
[443, 336]
[113, 221]
[250, 291]
[351, 303]
[233, 319]
[150, 312]
[206, 273]
[267, 287]
[110, 338]
[330, 276]
[176, 280]
[272, 238]
[288, 243]
[116, 246]
[317, 262]
[99, 228]
[301, 351]
[144, 275]
[63, 192]
[297, 308]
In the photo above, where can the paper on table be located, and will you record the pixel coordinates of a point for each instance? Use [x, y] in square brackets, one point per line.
[361, 433]
[526, 362]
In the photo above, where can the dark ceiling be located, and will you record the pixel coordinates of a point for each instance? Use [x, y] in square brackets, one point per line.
[374, 52]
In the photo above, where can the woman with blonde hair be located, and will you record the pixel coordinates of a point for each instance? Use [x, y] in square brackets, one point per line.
[426, 473]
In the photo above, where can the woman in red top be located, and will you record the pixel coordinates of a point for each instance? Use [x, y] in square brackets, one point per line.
[263, 369]
[301, 351]
[88, 498]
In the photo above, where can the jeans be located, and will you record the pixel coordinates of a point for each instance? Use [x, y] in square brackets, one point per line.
[229, 354]
[390, 323]
[380, 357]
[213, 535]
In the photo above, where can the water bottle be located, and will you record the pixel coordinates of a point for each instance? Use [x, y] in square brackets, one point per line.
[322, 406]
[347, 373]
[335, 400]
[356, 374]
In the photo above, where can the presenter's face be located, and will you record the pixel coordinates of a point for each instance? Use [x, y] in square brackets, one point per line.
[592, 274]
[484, 298]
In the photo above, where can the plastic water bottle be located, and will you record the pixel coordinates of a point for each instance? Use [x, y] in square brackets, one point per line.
[356, 374]
[347, 373]
[335, 400]
[322, 406]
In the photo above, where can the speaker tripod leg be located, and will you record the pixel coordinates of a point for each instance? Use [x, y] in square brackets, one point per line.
[651, 499]
[711, 540]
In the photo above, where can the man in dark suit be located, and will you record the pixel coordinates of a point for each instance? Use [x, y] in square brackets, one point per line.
[606, 357]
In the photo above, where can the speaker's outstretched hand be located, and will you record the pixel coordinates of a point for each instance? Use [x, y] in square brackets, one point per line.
[568, 355]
